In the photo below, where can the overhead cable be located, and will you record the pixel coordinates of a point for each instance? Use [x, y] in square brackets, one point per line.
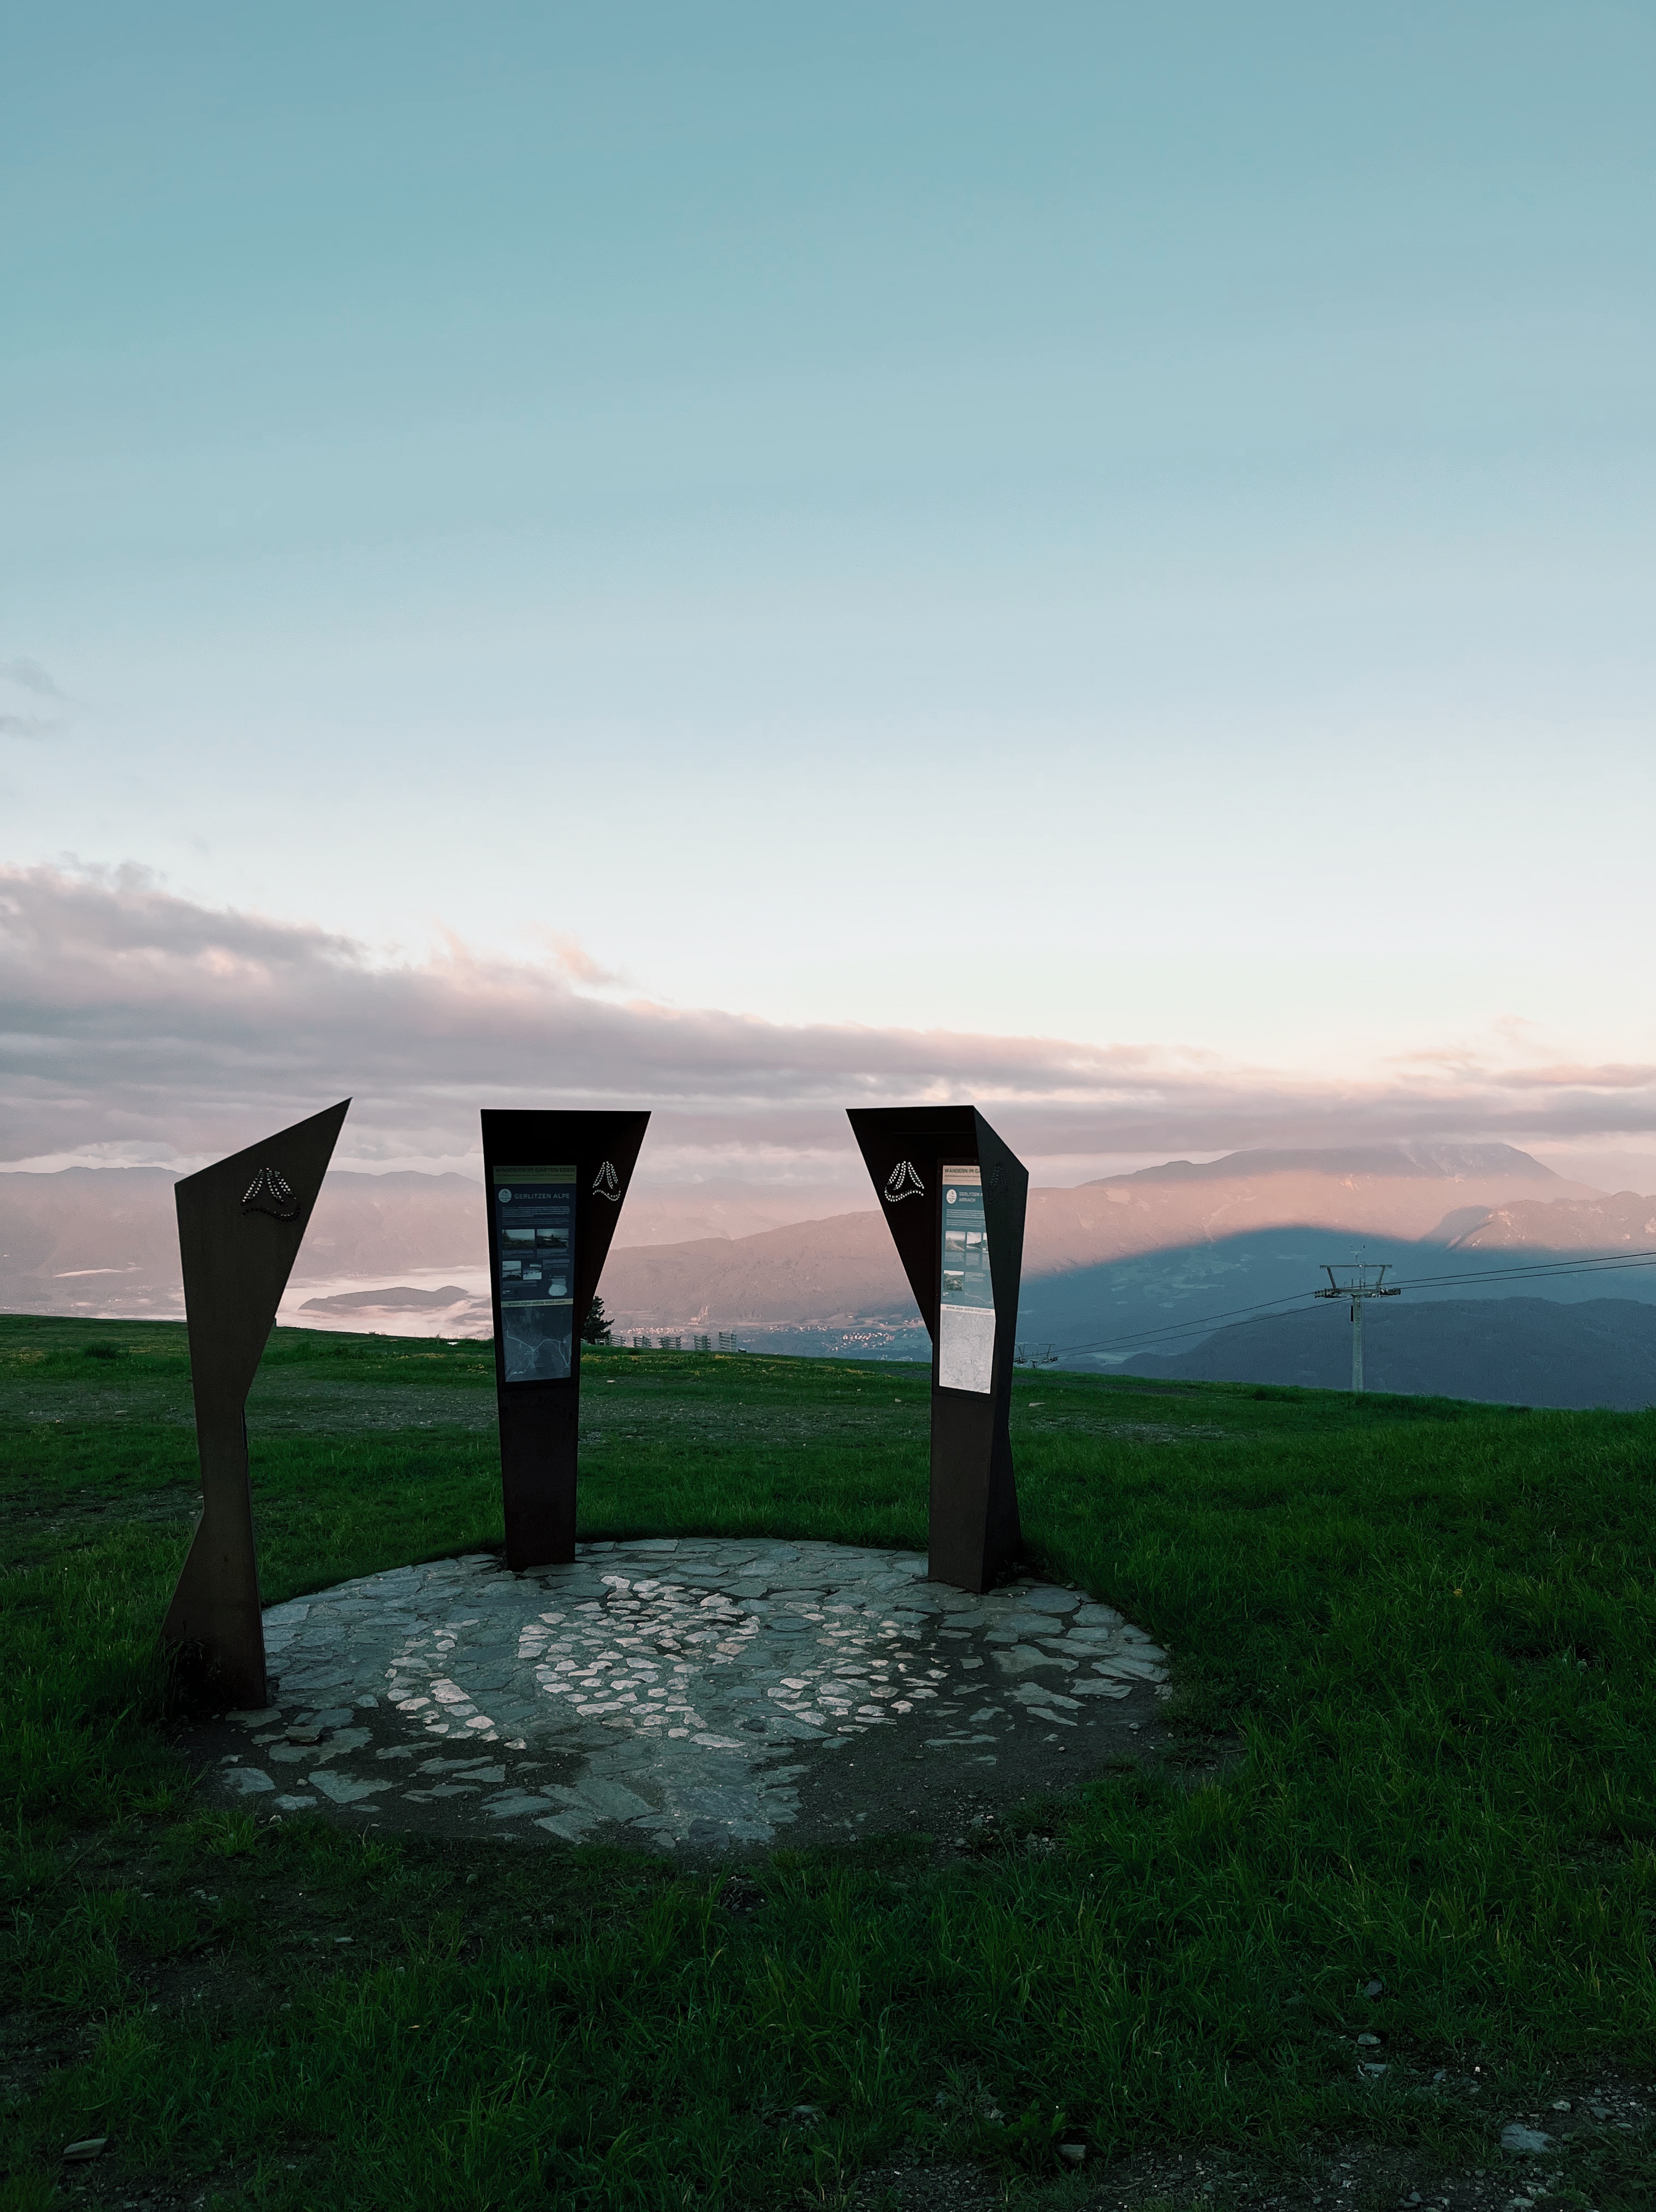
[1602, 1263]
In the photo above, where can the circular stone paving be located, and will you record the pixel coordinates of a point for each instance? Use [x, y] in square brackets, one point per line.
[684, 1693]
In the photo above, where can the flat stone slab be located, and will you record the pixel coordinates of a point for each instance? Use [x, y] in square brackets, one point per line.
[685, 1694]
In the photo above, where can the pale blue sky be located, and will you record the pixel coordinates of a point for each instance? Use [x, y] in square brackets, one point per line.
[1129, 524]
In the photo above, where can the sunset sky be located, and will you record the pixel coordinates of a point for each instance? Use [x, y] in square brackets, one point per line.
[756, 556]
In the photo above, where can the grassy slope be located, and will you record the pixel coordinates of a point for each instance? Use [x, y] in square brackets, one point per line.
[1431, 1622]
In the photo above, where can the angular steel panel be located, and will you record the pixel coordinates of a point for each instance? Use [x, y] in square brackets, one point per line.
[241, 1224]
[974, 1533]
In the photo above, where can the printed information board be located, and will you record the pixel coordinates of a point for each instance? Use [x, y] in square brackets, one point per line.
[965, 1317]
[535, 1256]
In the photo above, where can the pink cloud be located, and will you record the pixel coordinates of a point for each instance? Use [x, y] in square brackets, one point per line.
[133, 1017]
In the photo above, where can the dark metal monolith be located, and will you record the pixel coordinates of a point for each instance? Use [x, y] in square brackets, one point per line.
[954, 1198]
[555, 1183]
[241, 1224]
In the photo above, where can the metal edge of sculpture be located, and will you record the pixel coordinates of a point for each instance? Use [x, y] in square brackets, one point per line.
[972, 1528]
[241, 1224]
[564, 1211]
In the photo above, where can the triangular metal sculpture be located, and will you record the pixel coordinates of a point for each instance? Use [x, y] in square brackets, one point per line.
[240, 1226]
[555, 1183]
[954, 1198]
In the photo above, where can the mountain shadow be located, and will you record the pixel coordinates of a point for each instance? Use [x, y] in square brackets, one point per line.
[1519, 1352]
[1092, 1316]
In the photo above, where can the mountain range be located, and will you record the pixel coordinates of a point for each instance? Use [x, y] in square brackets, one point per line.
[1186, 1247]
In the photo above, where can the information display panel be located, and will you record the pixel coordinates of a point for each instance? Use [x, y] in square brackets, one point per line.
[535, 1260]
[966, 1310]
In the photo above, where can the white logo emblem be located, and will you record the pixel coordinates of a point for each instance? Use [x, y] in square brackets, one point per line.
[269, 1192]
[606, 1183]
[903, 1183]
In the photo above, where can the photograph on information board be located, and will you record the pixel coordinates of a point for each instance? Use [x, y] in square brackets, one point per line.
[535, 1242]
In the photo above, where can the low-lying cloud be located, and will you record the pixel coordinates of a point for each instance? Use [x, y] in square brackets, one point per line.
[136, 1024]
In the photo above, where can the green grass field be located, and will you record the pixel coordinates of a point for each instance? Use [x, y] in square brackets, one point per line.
[1425, 1630]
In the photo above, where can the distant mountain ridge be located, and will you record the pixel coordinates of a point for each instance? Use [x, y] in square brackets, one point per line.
[841, 1273]
[1452, 1161]
[1104, 1261]
[107, 1239]
[1595, 1224]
